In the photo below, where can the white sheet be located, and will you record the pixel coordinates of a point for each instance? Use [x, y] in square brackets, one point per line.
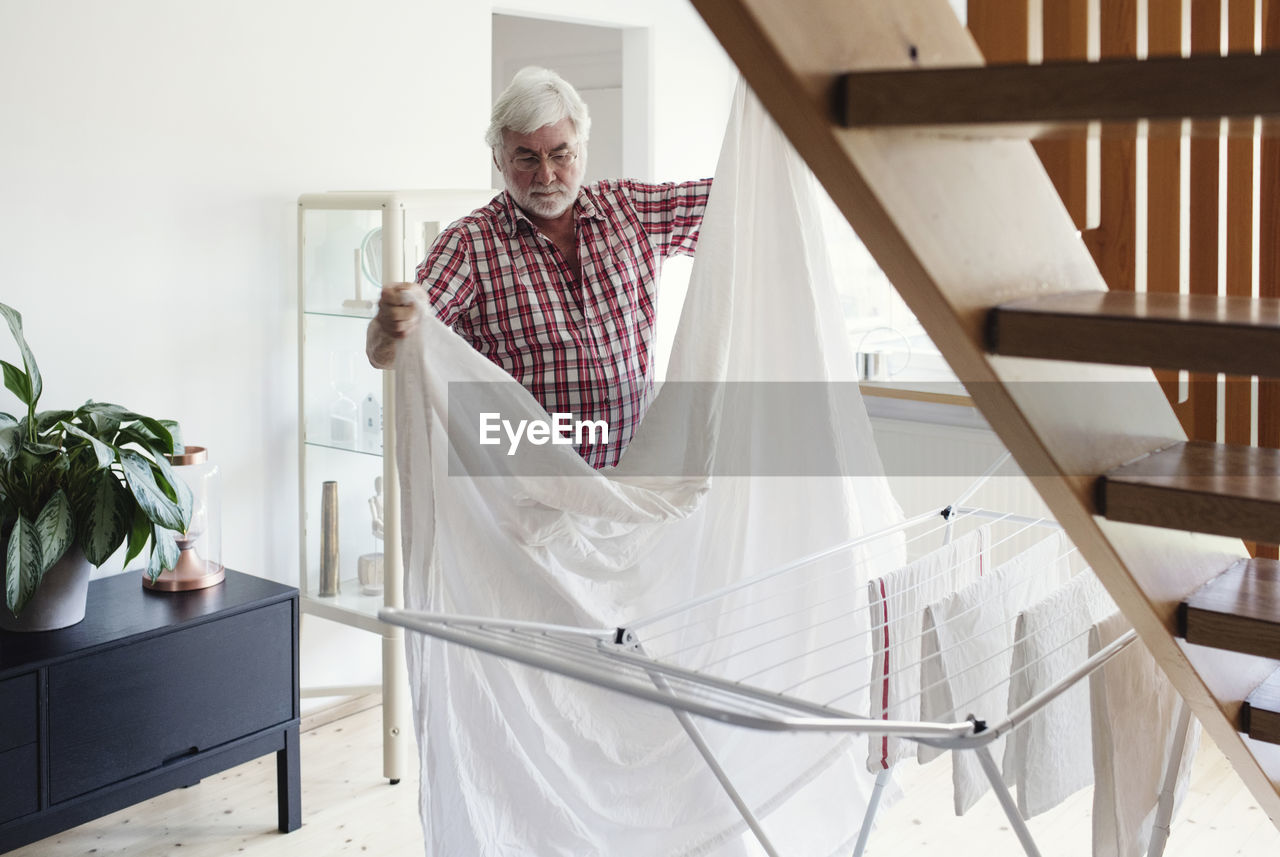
[521, 762]
[897, 601]
[1135, 716]
[1050, 756]
[968, 637]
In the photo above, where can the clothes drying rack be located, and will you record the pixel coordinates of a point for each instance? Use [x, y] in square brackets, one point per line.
[656, 659]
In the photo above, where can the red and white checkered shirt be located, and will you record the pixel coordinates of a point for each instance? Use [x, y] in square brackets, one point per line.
[580, 348]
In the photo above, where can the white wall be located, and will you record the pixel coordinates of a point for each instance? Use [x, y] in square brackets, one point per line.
[151, 154]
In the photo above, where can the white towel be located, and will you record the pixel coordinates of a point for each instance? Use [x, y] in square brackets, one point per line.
[966, 654]
[1135, 717]
[1050, 757]
[897, 601]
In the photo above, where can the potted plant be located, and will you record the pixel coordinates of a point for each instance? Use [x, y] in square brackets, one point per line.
[74, 487]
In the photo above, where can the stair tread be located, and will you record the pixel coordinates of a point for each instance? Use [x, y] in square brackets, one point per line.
[1064, 93]
[1249, 589]
[1209, 468]
[1260, 714]
[1267, 695]
[1239, 610]
[1205, 333]
[1199, 486]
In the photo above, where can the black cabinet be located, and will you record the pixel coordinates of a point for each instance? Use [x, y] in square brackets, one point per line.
[152, 691]
[17, 747]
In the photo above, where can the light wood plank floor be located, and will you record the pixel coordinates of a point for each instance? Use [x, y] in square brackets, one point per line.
[348, 808]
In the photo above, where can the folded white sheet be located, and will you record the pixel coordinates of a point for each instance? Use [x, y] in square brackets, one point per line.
[1051, 756]
[967, 650]
[1135, 717]
[897, 601]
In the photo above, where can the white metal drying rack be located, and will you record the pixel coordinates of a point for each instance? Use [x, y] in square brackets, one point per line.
[616, 658]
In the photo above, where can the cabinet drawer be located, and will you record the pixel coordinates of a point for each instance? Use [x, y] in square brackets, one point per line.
[131, 709]
[18, 783]
[17, 712]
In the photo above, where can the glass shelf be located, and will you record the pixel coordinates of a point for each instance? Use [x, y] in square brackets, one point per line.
[320, 445]
[349, 602]
[357, 314]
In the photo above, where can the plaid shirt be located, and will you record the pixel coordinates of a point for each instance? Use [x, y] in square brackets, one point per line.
[580, 348]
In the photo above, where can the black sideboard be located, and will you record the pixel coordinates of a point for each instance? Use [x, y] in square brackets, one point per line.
[152, 691]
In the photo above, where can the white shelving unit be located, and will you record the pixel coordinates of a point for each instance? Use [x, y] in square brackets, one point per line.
[349, 244]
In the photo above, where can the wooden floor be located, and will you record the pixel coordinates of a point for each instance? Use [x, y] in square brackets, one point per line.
[347, 808]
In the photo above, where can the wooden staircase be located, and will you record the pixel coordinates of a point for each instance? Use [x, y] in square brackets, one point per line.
[1236, 335]
[973, 234]
[1062, 96]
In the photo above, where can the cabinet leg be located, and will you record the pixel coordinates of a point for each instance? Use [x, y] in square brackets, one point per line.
[289, 782]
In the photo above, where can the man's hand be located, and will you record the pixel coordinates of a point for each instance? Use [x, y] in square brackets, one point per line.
[397, 310]
[397, 317]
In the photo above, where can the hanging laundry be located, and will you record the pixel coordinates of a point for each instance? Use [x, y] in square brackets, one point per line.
[1050, 756]
[967, 650]
[896, 602]
[1135, 717]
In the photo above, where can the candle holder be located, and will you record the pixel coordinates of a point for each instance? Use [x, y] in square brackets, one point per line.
[200, 547]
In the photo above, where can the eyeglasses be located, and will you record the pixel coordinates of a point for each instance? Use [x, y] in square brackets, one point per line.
[557, 160]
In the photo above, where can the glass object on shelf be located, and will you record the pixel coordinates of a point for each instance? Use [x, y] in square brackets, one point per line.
[370, 567]
[342, 421]
[875, 360]
[353, 476]
[371, 424]
[200, 547]
[344, 406]
[337, 261]
[336, 392]
[368, 273]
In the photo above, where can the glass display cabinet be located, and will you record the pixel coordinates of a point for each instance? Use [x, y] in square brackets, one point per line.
[349, 245]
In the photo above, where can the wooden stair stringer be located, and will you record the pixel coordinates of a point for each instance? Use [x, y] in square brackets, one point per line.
[960, 226]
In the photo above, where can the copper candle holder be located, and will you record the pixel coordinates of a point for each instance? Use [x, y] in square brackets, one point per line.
[200, 547]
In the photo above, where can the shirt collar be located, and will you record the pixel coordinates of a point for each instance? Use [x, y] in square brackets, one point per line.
[584, 208]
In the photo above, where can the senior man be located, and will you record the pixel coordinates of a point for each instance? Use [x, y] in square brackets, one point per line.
[554, 281]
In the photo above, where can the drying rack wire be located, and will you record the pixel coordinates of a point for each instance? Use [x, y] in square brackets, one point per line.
[788, 649]
[724, 675]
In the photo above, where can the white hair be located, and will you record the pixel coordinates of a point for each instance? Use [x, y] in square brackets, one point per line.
[536, 97]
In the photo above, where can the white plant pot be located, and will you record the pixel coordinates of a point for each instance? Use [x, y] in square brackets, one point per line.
[60, 598]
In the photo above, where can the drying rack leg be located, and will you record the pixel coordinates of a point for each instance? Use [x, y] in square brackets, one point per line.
[873, 804]
[1006, 800]
[695, 735]
[1164, 811]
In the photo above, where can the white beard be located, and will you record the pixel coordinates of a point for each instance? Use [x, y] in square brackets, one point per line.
[547, 201]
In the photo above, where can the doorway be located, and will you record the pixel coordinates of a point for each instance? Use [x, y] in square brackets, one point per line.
[608, 65]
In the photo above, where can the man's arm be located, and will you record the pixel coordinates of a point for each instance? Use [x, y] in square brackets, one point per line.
[445, 277]
[671, 214]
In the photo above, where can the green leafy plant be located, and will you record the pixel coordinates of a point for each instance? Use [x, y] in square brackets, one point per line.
[96, 477]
